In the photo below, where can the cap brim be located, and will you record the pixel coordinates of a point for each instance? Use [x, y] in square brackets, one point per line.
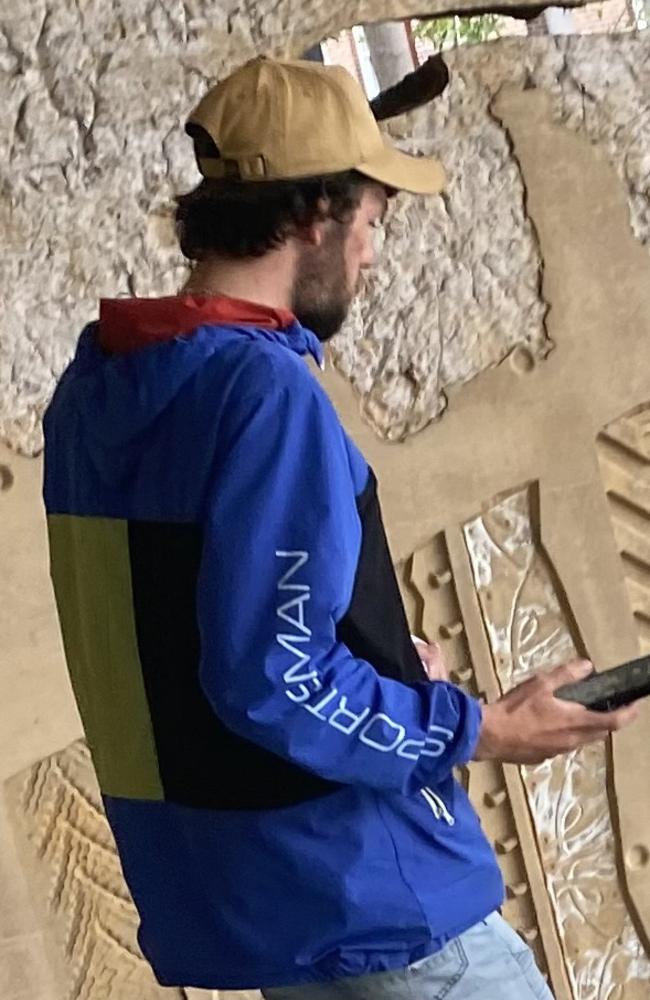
[403, 172]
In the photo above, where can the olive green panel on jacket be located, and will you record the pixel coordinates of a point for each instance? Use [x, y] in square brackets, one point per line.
[91, 572]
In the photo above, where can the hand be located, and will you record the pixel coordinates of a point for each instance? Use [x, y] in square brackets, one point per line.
[529, 724]
[431, 656]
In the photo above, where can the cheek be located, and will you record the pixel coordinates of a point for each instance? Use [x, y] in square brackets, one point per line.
[360, 254]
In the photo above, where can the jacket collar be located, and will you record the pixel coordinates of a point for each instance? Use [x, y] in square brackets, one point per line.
[127, 325]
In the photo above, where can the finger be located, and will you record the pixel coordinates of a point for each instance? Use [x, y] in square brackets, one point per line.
[431, 656]
[598, 736]
[437, 673]
[569, 673]
[434, 664]
[578, 740]
[620, 718]
[609, 721]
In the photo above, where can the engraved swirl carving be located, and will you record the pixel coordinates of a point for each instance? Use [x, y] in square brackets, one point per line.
[529, 626]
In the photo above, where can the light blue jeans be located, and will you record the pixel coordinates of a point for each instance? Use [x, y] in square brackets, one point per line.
[488, 962]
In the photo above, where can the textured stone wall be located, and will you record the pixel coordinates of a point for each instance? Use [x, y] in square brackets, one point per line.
[534, 252]
[459, 285]
[92, 98]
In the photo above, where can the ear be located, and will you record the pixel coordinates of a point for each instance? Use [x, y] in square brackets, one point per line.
[313, 234]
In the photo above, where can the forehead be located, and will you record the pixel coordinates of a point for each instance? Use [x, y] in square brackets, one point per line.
[374, 199]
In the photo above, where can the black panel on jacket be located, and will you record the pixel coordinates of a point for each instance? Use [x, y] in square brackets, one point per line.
[202, 763]
[375, 626]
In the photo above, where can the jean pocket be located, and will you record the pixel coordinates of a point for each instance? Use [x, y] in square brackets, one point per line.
[434, 978]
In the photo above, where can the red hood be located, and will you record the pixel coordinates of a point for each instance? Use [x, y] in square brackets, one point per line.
[128, 324]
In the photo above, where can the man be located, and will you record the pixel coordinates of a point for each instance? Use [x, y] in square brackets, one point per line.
[275, 764]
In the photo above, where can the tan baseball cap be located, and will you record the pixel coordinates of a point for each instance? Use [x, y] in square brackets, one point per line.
[280, 120]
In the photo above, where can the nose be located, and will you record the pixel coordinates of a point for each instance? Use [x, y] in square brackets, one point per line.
[370, 254]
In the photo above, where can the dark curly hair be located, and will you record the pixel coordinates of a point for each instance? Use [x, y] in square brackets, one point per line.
[236, 219]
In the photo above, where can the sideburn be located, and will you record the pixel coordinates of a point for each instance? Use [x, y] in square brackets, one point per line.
[320, 297]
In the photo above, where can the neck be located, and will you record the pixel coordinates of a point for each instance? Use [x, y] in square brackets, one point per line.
[265, 280]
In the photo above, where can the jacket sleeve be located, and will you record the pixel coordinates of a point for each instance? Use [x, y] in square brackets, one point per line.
[282, 540]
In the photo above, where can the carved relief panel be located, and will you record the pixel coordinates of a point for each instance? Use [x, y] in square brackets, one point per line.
[540, 558]
[519, 521]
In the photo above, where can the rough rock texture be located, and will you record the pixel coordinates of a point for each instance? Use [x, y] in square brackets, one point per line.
[459, 282]
[92, 152]
[458, 286]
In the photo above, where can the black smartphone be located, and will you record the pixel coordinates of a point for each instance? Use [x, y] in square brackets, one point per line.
[609, 689]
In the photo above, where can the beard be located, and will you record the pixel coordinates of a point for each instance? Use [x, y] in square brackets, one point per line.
[321, 297]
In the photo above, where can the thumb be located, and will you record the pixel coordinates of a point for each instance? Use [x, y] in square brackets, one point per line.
[432, 658]
[569, 673]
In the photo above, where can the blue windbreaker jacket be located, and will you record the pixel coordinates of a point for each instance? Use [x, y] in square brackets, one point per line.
[274, 765]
